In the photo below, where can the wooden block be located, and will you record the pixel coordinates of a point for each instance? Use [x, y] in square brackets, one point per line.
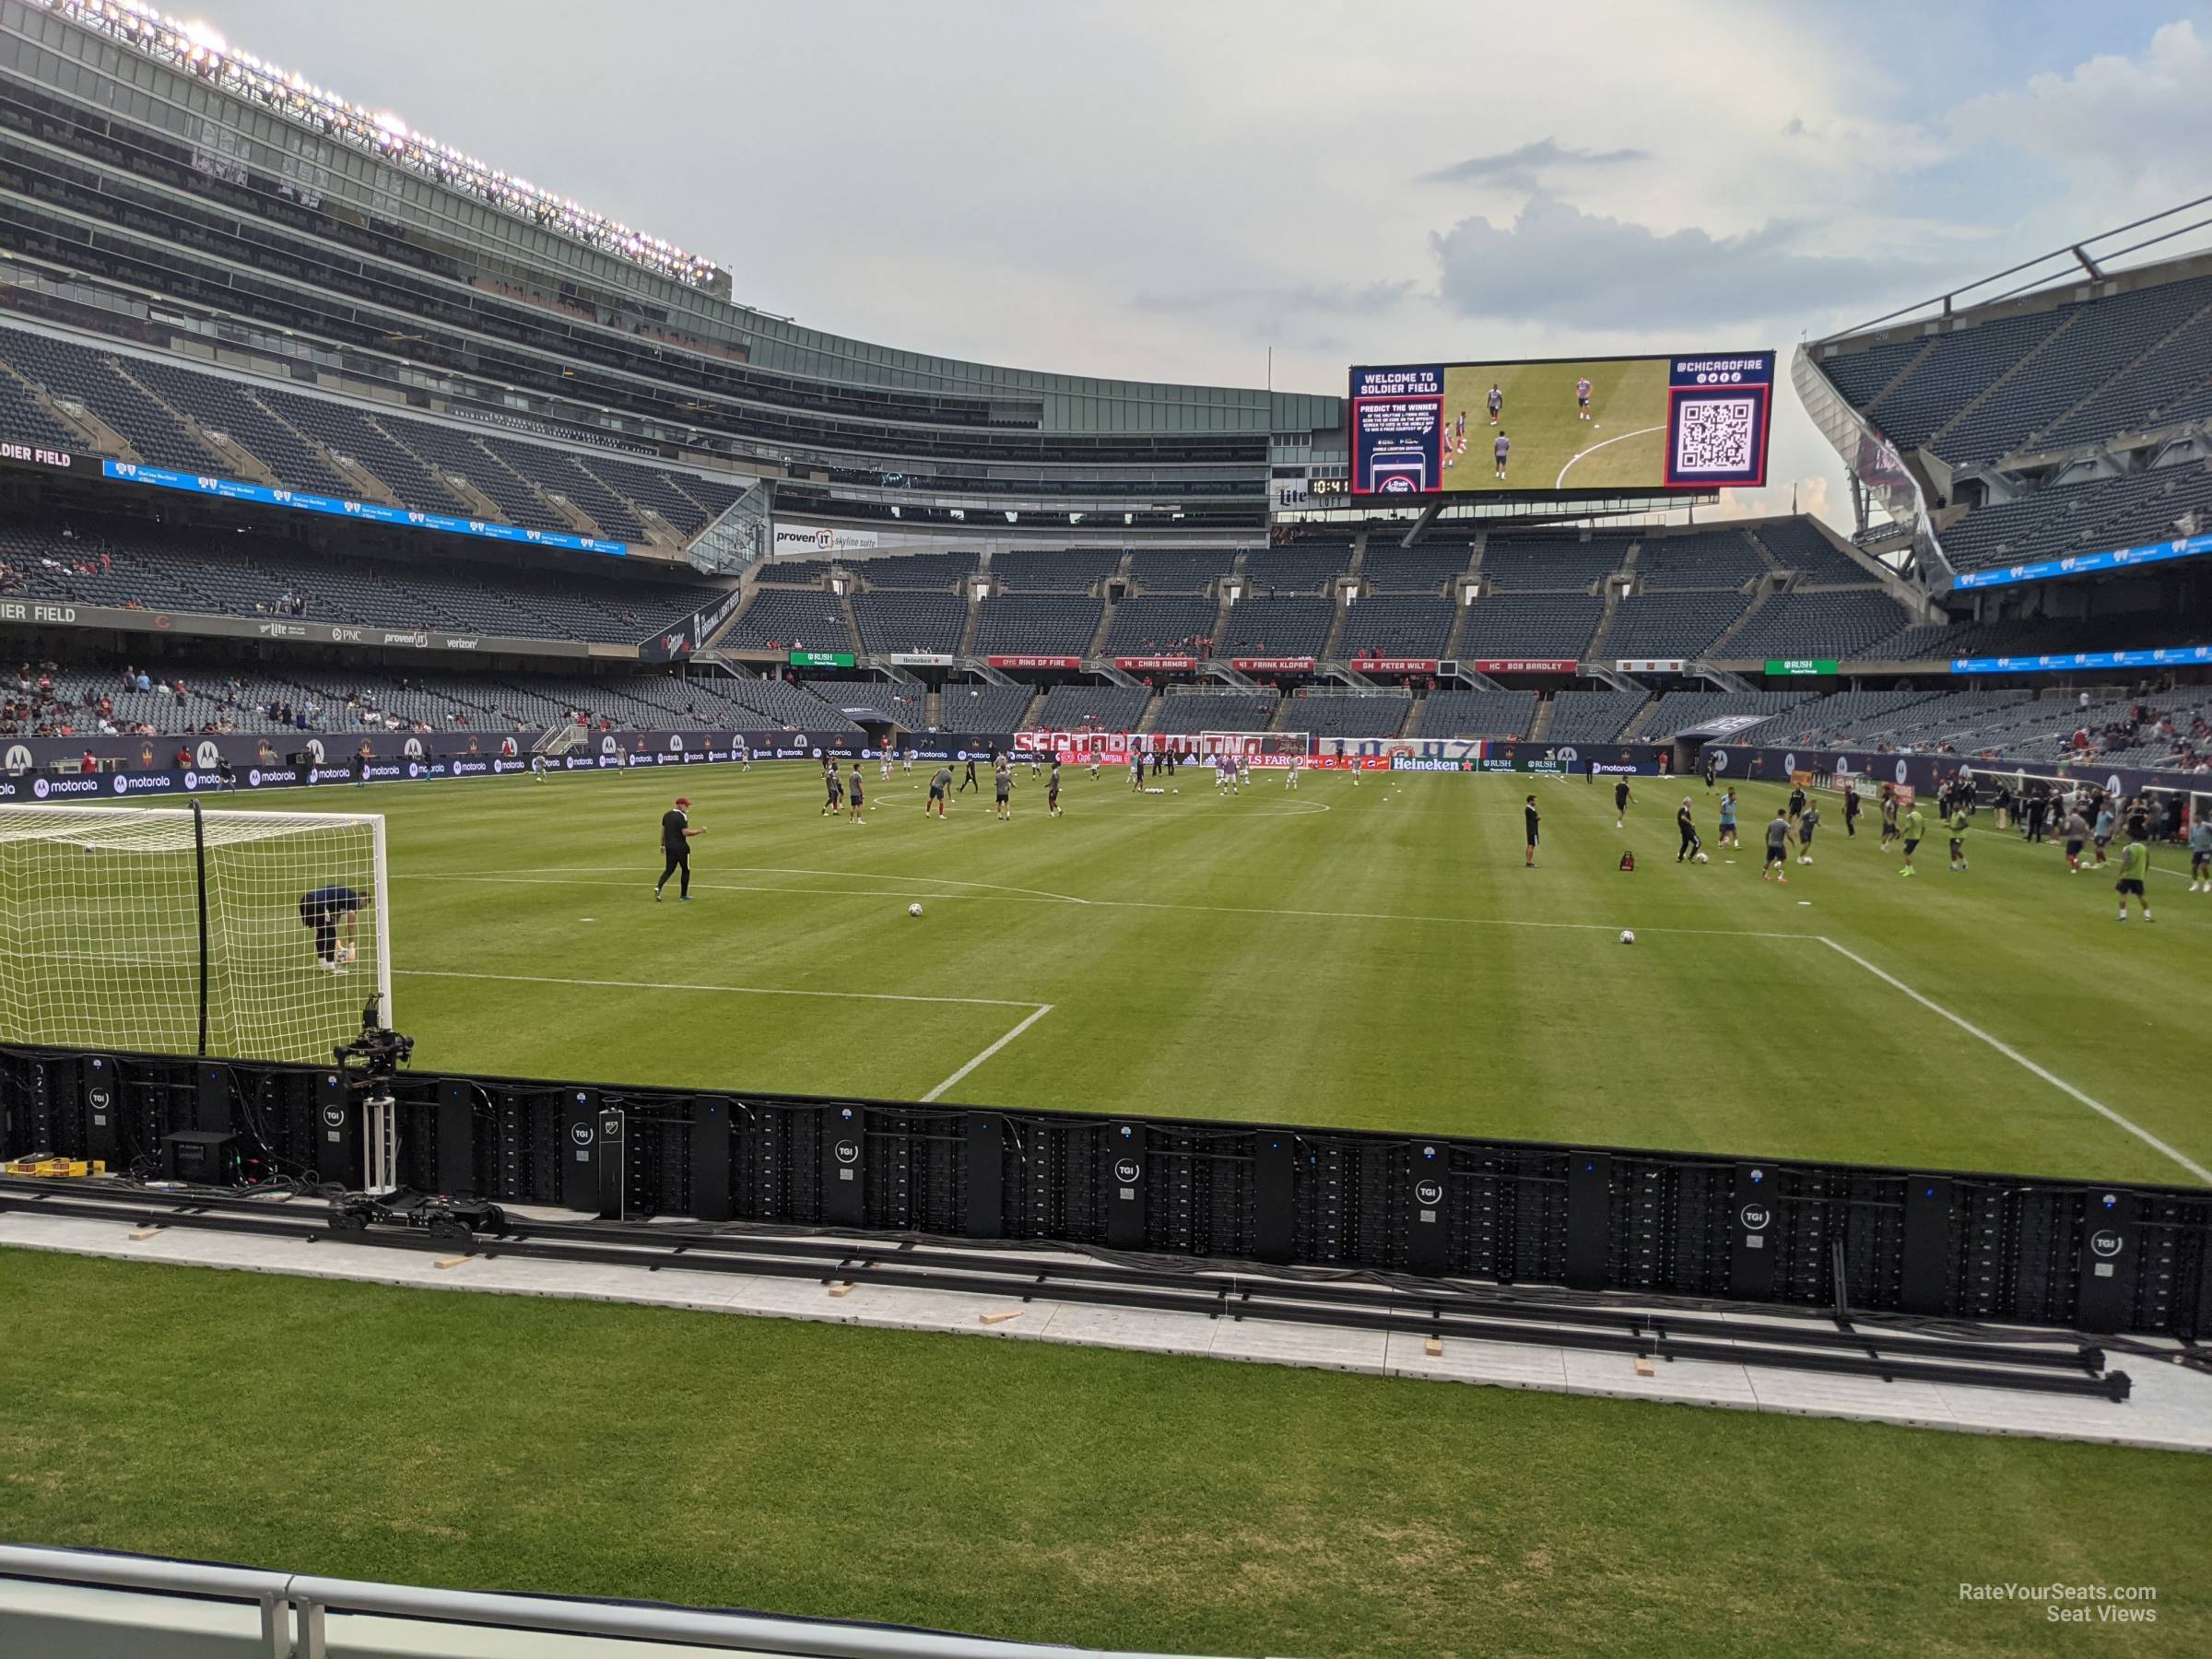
[1002, 1316]
[1644, 1367]
[449, 1260]
[844, 1289]
[1435, 1347]
[146, 1232]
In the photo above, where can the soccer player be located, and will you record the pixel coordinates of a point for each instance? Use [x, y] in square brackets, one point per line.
[2104, 830]
[1778, 848]
[2135, 870]
[537, 769]
[675, 848]
[1957, 825]
[1497, 402]
[1915, 825]
[1244, 770]
[968, 783]
[907, 758]
[1807, 821]
[835, 785]
[1002, 783]
[745, 755]
[938, 785]
[1728, 837]
[326, 910]
[360, 768]
[1094, 764]
[2200, 852]
[1622, 795]
[1889, 815]
[855, 791]
[884, 776]
[224, 777]
[1691, 846]
[1796, 801]
[1582, 398]
[1290, 772]
[2078, 836]
[1850, 811]
[1710, 769]
[1501, 446]
[1528, 813]
[1136, 772]
[1052, 790]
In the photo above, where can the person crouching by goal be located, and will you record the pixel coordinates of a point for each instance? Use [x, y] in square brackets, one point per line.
[330, 911]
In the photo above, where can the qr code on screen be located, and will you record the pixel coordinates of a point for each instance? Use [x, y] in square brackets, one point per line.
[1716, 436]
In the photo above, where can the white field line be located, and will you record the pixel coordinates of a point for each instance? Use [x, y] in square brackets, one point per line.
[1032, 1018]
[2013, 1055]
[1560, 481]
[607, 985]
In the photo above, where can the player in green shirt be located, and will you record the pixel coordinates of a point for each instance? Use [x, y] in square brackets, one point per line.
[2134, 871]
[1915, 826]
[1958, 829]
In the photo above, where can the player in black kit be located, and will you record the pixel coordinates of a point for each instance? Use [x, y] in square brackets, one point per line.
[676, 847]
[1691, 845]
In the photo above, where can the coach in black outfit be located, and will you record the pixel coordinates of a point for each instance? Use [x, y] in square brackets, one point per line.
[676, 846]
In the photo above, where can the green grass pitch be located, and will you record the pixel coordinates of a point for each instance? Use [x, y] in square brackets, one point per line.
[1370, 955]
[1622, 445]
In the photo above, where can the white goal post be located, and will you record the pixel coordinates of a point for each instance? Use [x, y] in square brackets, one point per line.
[179, 930]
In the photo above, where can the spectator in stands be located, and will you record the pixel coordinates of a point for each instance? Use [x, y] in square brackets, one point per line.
[89, 764]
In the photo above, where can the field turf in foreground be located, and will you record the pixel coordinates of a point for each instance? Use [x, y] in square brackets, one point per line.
[1070, 1495]
[1372, 956]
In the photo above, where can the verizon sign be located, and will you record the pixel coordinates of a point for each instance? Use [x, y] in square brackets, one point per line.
[1526, 665]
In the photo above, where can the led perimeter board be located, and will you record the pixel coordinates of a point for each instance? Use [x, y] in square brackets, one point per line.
[1572, 425]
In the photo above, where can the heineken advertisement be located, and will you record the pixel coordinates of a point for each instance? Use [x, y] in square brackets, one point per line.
[821, 659]
[1797, 665]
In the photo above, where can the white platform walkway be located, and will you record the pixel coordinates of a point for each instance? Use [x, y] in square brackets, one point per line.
[2170, 1408]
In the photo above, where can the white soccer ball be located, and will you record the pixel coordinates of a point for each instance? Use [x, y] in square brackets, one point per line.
[1702, 859]
[1628, 935]
[913, 909]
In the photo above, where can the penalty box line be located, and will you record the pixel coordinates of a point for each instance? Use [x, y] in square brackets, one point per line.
[2018, 1059]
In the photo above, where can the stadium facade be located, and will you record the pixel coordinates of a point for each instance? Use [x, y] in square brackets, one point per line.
[282, 378]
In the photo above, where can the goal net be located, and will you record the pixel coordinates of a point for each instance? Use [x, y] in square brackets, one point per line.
[174, 930]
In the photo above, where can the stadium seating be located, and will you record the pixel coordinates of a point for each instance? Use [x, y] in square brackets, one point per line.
[1186, 713]
[1169, 623]
[1671, 625]
[1277, 627]
[1550, 564]
[460, 457]
[1422, 569]
[1590, 716]
[224, 406]
[1530, 625]
[779, 619]
[1838, 720]
[556, 474]
[1091, 707]
[1797, 544]
[1053, 570]
[2081, 518]
[924, 572]
[1833, 623]
[1331, 714]
[1711, 559]
[1178, 570]
[899, 621]
[901, 703]
[973, 706]
[1054, 625]
[1457, 713]
[1678, 712]
[78, 375]
[1297, 568]
[1401, 624]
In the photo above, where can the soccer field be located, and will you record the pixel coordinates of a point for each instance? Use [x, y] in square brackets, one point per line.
[1623, 444]
[1370, 955]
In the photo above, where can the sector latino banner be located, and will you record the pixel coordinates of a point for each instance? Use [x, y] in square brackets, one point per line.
[1586, 424]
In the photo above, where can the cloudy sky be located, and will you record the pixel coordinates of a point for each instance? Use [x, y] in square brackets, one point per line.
[1166, 191]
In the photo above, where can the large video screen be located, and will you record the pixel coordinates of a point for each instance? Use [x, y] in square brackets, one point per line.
[1575, 424]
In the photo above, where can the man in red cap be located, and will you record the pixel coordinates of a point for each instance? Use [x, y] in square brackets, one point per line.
[676, 845]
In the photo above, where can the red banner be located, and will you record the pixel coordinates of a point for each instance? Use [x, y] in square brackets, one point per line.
[1395, 665]
[1272, 665]
[1526, 665]
[1144, 665]
[1034, 661]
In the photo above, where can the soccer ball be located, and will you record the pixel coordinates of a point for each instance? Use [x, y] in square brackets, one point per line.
[1628, 936]
[345, 954]
[1702, 859]
[913, 909]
